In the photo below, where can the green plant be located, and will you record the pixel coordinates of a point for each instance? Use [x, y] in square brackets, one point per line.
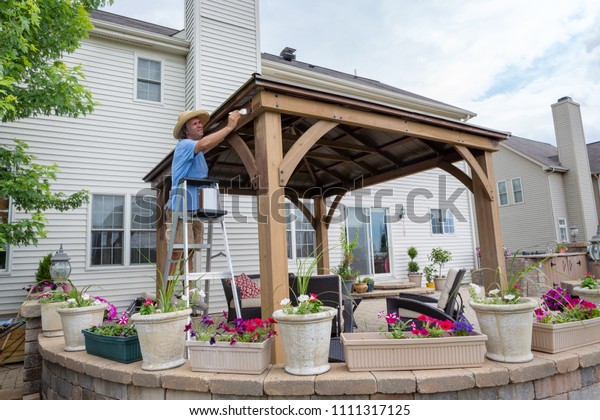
[42, 274]
[440, 257]
[561, 248]
[429, 273]
[431, 327]
[558, 307]
[413, 266]
[589, 282]
[344, 269]
[305, 268]
[243, 331]
[116, 328]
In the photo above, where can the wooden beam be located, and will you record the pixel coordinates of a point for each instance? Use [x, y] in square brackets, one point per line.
[477, 169]
[321, 234]
[301, 147]
[271, 223]
[325, 111]
[300, 205]
[457, 173]
[334, 205]
[245, 154]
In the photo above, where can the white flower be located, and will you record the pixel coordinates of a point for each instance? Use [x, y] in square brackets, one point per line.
[285, 302]
[494, 292]
[185, 298]
[303, 298]
[71, 300]
[201, 293]
[98, 302]
[85, 296]
[509, 297]
[476, 289]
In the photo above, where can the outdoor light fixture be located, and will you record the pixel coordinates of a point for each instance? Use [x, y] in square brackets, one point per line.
[574, 232]
[60, 268]
[594, 246]
[401, 212]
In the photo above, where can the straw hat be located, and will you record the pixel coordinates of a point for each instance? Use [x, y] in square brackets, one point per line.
[185, 116]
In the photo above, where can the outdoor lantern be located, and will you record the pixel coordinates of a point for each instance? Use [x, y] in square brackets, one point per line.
[60, 268]
[594, 247]
[574, 232]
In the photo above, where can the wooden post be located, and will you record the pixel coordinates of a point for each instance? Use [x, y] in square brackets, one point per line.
[321, 229]
[161, 230]
[271, 219]
[488, 223]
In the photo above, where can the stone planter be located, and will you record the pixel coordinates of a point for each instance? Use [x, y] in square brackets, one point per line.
[508, 328]
[439, 283]
[554, 338]
[416, 278]
[306, 340]
[371, 351]
[591, 295]
[222, 357]
[51, 324]
[162, 340]
[74, 320]
[119, 349]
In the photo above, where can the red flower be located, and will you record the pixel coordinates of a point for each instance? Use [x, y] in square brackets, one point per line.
[446, 325]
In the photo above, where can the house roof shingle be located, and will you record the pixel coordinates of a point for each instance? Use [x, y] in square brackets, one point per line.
[133, 23]
[544, 153]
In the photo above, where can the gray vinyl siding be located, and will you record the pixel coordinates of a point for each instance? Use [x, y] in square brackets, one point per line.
[106, 152]
[529, 224]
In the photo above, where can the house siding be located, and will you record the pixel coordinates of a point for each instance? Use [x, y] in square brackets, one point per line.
[558, 208]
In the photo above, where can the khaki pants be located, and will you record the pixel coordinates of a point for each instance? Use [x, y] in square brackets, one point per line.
[195, 232]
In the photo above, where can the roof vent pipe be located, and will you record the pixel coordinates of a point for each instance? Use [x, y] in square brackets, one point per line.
[288, 54]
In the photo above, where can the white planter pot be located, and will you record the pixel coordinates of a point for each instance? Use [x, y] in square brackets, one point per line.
[508, 328]
[416, 278]
[306, 341]
[554, 338]
[591, 295]
[76, 319]
[439, 283]
[222, 357]
[162, 340]
[51, 323]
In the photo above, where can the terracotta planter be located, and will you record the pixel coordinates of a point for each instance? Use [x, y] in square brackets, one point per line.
[439, 283]
[508, 328]
[306, 340]
[74, 320]
[554, 338]
[162, 340]
[241, 358]
[51, 324]
[372, 351]
[361, 287]
[591, 295]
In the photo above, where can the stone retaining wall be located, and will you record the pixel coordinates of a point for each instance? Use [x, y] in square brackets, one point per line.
[76, 375]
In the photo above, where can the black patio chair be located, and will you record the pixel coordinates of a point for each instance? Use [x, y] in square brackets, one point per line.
[449, 306]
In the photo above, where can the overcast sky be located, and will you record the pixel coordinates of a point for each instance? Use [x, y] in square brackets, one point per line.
[506, 60]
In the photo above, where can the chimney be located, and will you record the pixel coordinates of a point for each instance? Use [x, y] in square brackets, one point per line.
[288, 54]
[572, 153]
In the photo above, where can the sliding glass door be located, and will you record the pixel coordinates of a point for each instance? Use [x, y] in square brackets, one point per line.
[372, 251]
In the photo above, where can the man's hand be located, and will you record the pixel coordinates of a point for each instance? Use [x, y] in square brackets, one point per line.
[233, 119]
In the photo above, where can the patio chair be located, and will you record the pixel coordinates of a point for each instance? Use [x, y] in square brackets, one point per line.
[249, 308]
[449, 306]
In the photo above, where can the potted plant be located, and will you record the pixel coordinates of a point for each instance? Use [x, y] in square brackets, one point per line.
[344, 269]
[370, 284]
[115, 339]
[160, 326]
[243, 347]
[403, 346]
[82, 311]
[360, 286]
[562, 248]
[305, 329]
[414, 276]
[563, 322]
[429, 272]
[506, 317]
[588, 289]
[439, 257]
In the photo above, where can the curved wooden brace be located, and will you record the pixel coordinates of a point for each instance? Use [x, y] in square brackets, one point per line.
[336, 202]
[245, 154]
[305, 210]
[457, 173]
[293, 157]
[479, 172]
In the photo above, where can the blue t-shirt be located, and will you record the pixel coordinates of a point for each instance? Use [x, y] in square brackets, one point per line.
[186, 164]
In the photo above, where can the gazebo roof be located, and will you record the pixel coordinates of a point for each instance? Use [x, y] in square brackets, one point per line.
[354, 142]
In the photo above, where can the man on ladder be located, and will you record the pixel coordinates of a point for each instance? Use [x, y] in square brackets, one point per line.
[189, 162]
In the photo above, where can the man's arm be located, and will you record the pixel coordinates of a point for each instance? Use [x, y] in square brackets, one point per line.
[208, 142]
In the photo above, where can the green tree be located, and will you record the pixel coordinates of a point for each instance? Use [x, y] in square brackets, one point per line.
[34, 81]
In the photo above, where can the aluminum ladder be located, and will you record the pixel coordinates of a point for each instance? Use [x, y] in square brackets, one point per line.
[209, 213]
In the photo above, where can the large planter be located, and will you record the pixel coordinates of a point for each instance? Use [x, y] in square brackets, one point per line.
[51, 324]
[74, 320]
[416, 278]
[119, 349]
[439, 283]
[347, 287]
[306, 340]
[241, 358]
[508, 328]
[162, 340]
[554, 338]
[591, 295]
[372, 351]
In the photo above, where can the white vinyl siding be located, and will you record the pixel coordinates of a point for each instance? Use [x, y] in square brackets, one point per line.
[502, 193]
[149, 80]
[517, 190]
[563, 232]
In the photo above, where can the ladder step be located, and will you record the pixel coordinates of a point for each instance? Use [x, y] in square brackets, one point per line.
[193, 246]
[208, 275]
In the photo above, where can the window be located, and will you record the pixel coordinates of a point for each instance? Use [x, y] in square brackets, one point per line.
[372, 252]
[563, 232]
[123, 235]
[517, 190]
[149, 80]
[442, 221]
[4, 219]
[301, 239]
[502, 193]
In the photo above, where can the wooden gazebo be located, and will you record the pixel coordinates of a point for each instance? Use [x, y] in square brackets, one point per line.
[303, 143]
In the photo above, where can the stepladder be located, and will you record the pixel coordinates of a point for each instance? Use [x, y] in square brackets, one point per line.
[197, 200]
